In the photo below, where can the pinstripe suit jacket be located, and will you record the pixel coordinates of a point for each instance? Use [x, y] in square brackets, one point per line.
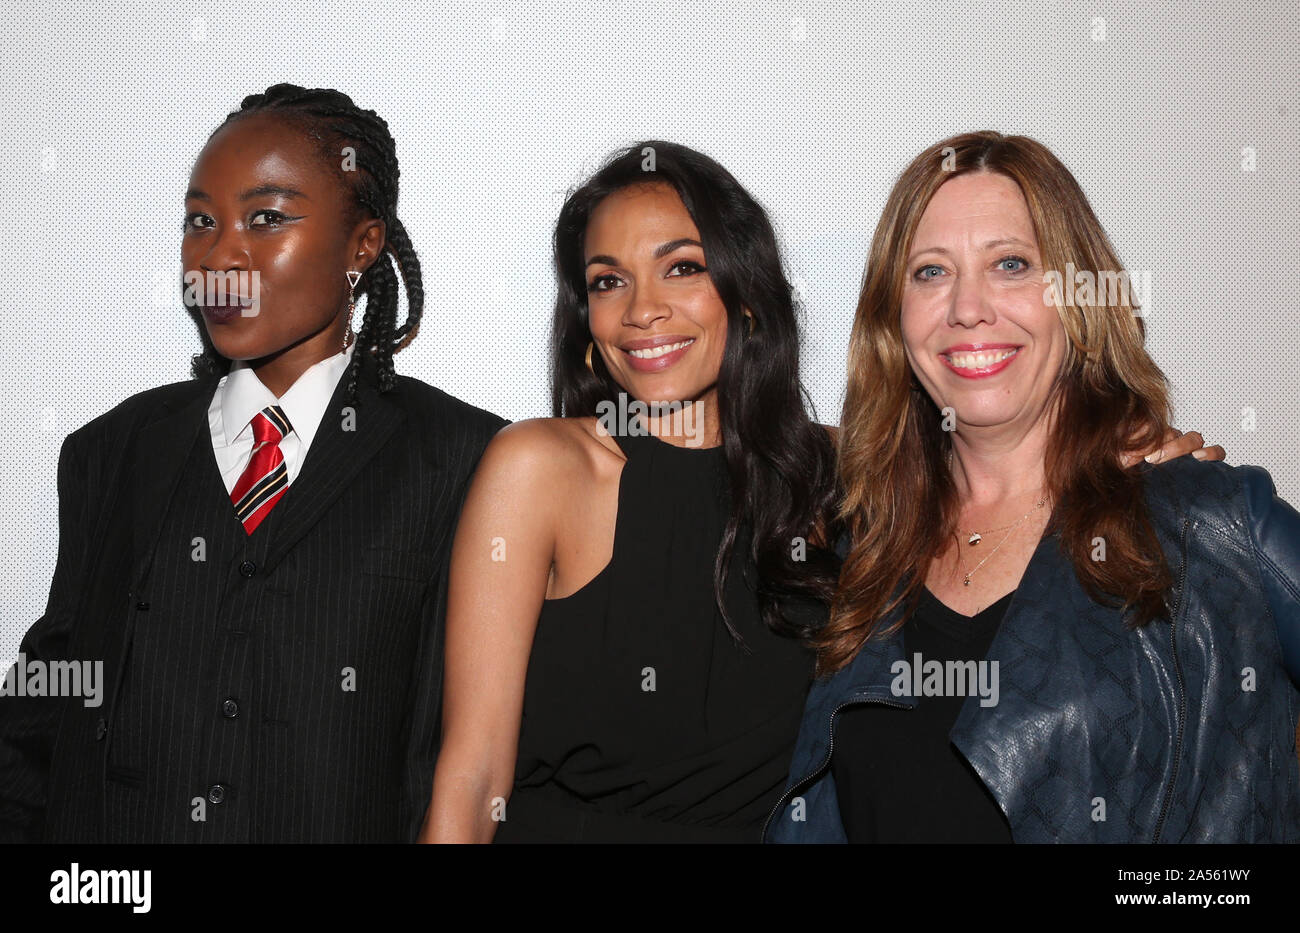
[325, 632]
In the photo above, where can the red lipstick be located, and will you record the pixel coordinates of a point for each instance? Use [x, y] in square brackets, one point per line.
[979, 360]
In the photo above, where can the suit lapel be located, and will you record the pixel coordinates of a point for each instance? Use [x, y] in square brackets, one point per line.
[162, 448]
[347, 439]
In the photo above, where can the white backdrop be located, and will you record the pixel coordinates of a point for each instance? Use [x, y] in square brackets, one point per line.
[498, 109]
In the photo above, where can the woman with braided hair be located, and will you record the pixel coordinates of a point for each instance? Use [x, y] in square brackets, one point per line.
[357, 146]
[256, 556]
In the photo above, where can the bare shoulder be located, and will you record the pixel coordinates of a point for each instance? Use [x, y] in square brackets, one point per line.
[551, 451]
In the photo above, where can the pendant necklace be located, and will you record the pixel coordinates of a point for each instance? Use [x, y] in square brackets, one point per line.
[975, 538]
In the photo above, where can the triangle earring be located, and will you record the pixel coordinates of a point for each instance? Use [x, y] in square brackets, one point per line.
[353, 278]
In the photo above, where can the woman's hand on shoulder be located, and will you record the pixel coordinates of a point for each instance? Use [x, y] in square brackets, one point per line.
[1178, 444]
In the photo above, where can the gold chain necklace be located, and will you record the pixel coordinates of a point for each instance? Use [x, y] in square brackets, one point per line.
[976, 537]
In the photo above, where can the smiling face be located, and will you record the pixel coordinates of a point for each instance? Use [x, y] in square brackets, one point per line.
[655, 317]
[261, 200]
[977, 331]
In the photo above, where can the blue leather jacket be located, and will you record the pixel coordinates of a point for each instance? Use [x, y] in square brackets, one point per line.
[1181, 732]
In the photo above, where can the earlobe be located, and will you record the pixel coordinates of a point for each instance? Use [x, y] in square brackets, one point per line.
[374, 241]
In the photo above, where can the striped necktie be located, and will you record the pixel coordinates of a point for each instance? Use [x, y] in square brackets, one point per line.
[266, 477]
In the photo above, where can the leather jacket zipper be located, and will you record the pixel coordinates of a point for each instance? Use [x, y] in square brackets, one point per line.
[1182, 691]
[830, 748]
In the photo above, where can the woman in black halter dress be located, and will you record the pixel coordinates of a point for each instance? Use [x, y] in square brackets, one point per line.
[626, 613]
[642, 718]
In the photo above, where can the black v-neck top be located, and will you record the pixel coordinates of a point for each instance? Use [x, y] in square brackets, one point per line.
[897, 776]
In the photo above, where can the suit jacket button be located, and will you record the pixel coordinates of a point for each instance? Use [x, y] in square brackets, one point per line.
[248, 568]
[101, 729]
[216, 793]
[229, 708]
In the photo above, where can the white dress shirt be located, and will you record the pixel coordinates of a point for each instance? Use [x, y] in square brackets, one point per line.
[240, 395]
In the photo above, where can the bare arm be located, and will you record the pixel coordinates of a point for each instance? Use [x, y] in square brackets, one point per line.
[500, 562]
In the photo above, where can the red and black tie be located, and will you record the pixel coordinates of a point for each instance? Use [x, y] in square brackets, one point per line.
[266, 477]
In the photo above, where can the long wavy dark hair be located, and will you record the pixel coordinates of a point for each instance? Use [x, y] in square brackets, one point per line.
[781, 465]
[333, 121]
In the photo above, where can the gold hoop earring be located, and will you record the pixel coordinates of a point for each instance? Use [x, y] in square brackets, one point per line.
[750, 315]
[353, 278]
[590, 344]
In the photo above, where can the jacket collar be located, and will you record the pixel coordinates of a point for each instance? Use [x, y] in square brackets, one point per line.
[243, 395]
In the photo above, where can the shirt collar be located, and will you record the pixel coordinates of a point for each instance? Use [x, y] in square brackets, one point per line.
[304, 402]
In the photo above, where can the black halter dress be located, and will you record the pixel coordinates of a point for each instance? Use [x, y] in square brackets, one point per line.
[643, 720]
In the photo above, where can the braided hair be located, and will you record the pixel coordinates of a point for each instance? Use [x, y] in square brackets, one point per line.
[331, 119]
